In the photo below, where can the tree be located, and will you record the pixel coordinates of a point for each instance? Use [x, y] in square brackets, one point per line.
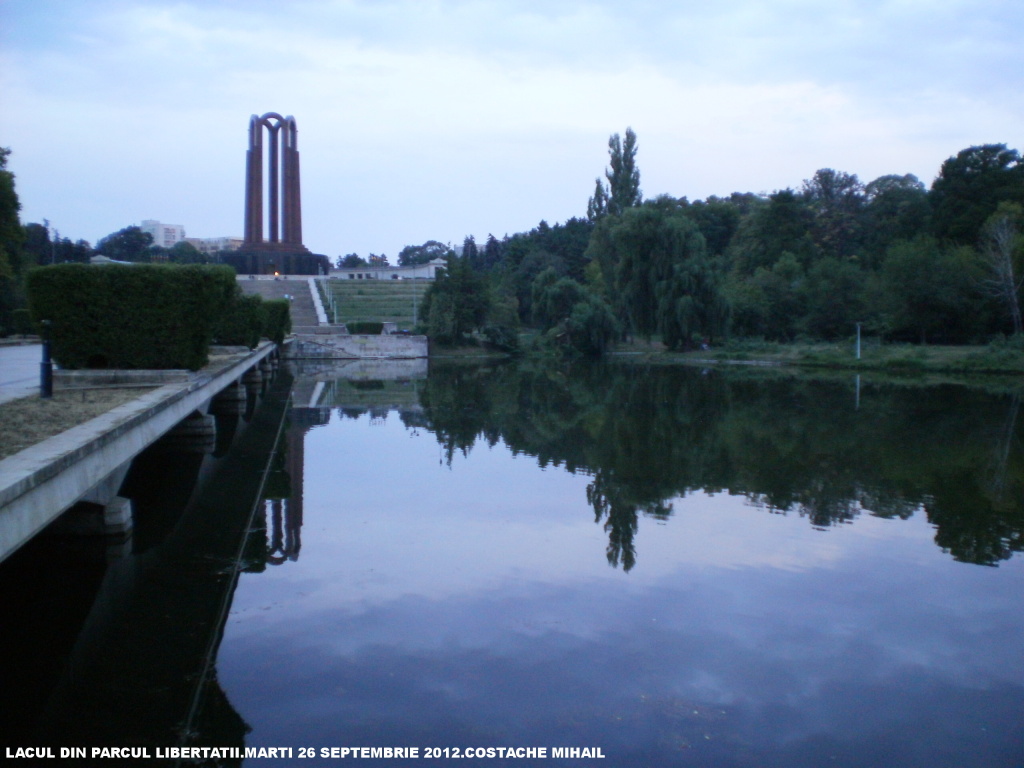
[970, 187]
[782, 225]
[492, 253]
[11, 234]
[186, 253]
[623, 175]
[834, 298]
[470, 252]
[456, 303]
[768, 303]
[350, 261]
[128, 244]
[553, 298]
[1003, 248]
[591, 326]
[837, 199]
[597, 206]
[572, 315]
[421, 254]
[897, 209]
[37, 247]
[925, 291]
[623, 190]
[665, 279]
[717, 219]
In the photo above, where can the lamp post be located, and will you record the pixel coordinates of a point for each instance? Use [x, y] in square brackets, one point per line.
[46, 365]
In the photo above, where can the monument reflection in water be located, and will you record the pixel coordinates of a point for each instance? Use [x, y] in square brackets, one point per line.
[681, 567]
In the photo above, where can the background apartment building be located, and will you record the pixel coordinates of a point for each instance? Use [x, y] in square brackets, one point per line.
[164, 235]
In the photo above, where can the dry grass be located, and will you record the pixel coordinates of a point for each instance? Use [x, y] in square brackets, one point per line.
[30, 420]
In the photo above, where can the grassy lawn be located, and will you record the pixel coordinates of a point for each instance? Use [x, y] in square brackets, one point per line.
[998, 357]
[388, 301]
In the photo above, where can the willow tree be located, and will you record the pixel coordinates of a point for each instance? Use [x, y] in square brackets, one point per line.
[666, 281]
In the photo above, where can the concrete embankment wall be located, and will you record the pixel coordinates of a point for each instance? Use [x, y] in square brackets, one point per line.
[358, 346]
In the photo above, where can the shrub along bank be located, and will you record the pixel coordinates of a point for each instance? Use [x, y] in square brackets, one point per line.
[146, 315]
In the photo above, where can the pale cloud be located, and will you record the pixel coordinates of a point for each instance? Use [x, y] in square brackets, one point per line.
[427, 120]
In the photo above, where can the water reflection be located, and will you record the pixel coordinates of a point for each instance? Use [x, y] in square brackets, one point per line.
[125, 657]
[784, 606]
[764, 521]
[826, 450]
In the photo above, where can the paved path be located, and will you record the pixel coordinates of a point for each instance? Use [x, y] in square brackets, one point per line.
[19, 371]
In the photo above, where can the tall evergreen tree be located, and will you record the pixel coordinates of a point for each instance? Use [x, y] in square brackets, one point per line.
[470, 253]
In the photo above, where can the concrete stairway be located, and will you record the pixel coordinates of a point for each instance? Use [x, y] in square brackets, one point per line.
[303, 312]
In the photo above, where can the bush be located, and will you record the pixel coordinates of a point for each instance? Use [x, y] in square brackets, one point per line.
[368, 328]
[277, 319]
[592, 327]
[241, 322]
[138, 316]
[502, 337]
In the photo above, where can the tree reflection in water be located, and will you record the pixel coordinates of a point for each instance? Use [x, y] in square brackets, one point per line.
[791, 445]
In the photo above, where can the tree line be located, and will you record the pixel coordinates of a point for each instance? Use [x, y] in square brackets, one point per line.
[907, 262]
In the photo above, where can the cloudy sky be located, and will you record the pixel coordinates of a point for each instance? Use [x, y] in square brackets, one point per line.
[434, 119]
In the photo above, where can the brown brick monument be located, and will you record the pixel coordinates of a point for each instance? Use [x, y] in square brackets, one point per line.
[283, 250]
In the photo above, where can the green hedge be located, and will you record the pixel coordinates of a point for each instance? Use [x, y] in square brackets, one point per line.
[368, 328]
[241, 322]
[277, 319]
[138, 316]
[248, 318]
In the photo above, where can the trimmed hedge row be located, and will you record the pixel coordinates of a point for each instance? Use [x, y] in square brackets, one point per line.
[241, 322]
[143, 315]
[367, 327]
[277, 319]
[246, 319]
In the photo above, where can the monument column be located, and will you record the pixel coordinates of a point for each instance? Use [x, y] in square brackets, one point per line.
[283, 249]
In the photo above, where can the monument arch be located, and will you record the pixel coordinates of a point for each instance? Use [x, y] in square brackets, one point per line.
[279, 247]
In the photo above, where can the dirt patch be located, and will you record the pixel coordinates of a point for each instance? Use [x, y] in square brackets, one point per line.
[30, 420]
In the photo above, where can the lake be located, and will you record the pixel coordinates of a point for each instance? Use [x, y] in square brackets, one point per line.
[663, 566]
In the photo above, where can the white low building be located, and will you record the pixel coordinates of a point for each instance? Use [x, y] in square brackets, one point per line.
[426, 271]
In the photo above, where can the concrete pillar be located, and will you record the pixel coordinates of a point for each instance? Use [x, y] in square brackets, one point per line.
[87, 518]
[195, 434]
[253, 377]
[118, 516]
[230, 401]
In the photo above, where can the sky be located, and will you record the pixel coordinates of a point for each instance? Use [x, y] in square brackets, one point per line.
[436, 119]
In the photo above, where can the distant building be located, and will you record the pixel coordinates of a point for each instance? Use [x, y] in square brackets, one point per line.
[211, 244]
[164, 235]
[426, 271]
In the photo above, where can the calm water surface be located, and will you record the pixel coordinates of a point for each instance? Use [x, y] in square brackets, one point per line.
[680, 567]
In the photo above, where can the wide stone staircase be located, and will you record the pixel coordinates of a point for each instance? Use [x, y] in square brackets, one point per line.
[297, 289]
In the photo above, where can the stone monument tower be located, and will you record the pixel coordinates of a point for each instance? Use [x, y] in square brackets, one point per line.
[282, 250]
